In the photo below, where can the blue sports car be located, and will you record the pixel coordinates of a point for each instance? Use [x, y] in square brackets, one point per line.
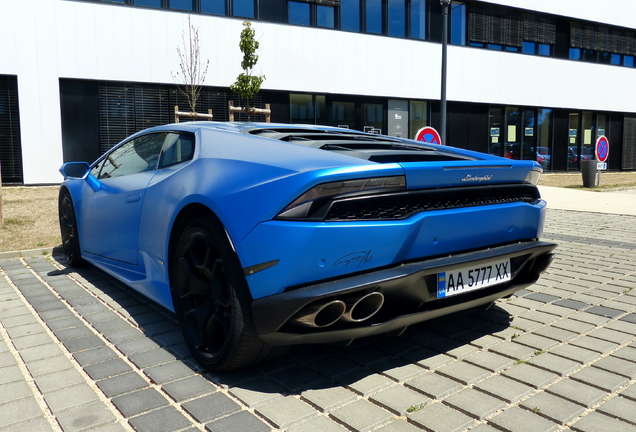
[259, 236]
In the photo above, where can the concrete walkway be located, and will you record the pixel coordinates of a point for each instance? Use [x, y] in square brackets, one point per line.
[81, 352]
[619, 202]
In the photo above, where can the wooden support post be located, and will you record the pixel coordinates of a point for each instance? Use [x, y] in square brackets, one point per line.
[178, 114]
[267, 112]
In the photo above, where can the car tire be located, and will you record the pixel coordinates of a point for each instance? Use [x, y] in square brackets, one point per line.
[212, 300]
[68, 230]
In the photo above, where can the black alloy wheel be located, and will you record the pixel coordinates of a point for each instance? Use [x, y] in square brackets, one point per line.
[212, 300]
[68, 230]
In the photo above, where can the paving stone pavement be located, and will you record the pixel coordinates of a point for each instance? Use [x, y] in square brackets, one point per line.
[80, 352]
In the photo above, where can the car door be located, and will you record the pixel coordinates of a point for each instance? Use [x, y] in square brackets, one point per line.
[111, 214]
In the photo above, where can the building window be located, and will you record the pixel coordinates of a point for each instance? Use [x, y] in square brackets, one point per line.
[350, 15]
[311, 14]
[148, 3]
[243, 8]
[397, 18]
[372, 118]
[417, 15]
[544, 138]
[299, 13]
[325, 16]
[307, 109]
[458, 24]
[343, 114]
[181, 5]
[373, 16]
[214, 7]
[10, 141]
[600, 44]
[496, 128]
[418, 117]
[302, 108]
[508, 29]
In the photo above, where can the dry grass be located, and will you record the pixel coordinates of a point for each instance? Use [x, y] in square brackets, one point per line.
[609, 180]
[30, 218]
[30, 213]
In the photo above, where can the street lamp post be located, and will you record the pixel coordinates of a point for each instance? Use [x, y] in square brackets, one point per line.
[445, 6]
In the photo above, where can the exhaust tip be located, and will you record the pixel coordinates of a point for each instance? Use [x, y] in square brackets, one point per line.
[321, 315]
[363, 308]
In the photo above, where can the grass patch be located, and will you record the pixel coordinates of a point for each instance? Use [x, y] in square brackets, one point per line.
[17, 221]
[415, 408]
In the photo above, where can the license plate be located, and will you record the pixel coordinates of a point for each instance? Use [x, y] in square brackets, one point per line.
[466, 279]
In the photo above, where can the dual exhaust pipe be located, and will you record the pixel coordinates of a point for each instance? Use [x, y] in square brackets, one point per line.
[354, 309]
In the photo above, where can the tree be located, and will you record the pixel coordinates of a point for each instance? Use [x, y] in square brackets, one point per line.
[193, 69]
[247, 84]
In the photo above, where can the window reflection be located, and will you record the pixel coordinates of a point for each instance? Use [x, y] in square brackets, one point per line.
[496, 126]
[308, 109]
[215, 7]
[573, 145]
[350, 15]
[136, 156]
[148, 3]
[343, 114]
[397, 18]
[181, 4]
[243, 8]
[299, 13]
[372, 117]
[373, 16]
[418, 117]
[545, 49]
[302, 108]
[544, 142]
[325, 16]
[458, 24]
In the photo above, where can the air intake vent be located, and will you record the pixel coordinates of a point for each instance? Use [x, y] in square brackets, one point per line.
[403, 205]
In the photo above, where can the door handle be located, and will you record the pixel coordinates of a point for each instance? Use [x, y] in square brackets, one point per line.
[133, 198]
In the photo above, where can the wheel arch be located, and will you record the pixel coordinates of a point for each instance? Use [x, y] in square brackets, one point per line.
[186, 215]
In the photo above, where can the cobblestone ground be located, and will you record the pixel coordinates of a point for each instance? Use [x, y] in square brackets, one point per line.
[80, 352]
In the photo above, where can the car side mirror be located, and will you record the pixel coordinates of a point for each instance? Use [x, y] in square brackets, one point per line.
[74, 170]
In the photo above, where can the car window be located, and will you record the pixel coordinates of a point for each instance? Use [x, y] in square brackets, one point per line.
[135, 156]
[177, 148]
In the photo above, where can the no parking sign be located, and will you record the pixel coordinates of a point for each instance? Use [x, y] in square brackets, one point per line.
[428, 135]
[602, 151]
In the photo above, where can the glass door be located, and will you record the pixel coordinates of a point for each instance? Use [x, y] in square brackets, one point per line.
[372, 118]
[512, 134]
[574, 143]
[529, 139]
[343, 115]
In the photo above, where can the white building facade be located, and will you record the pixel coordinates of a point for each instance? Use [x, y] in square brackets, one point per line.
[532, 79]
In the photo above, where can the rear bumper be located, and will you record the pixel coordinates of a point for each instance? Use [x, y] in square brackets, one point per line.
[409, 291]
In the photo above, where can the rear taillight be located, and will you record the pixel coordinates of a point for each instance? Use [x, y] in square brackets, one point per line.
[307, 203]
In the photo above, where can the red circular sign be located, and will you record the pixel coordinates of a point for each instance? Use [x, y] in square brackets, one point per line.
[428, 135]
[602, 149]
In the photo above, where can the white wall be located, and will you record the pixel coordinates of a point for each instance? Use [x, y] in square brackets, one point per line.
[43, 40]
[480, 75]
